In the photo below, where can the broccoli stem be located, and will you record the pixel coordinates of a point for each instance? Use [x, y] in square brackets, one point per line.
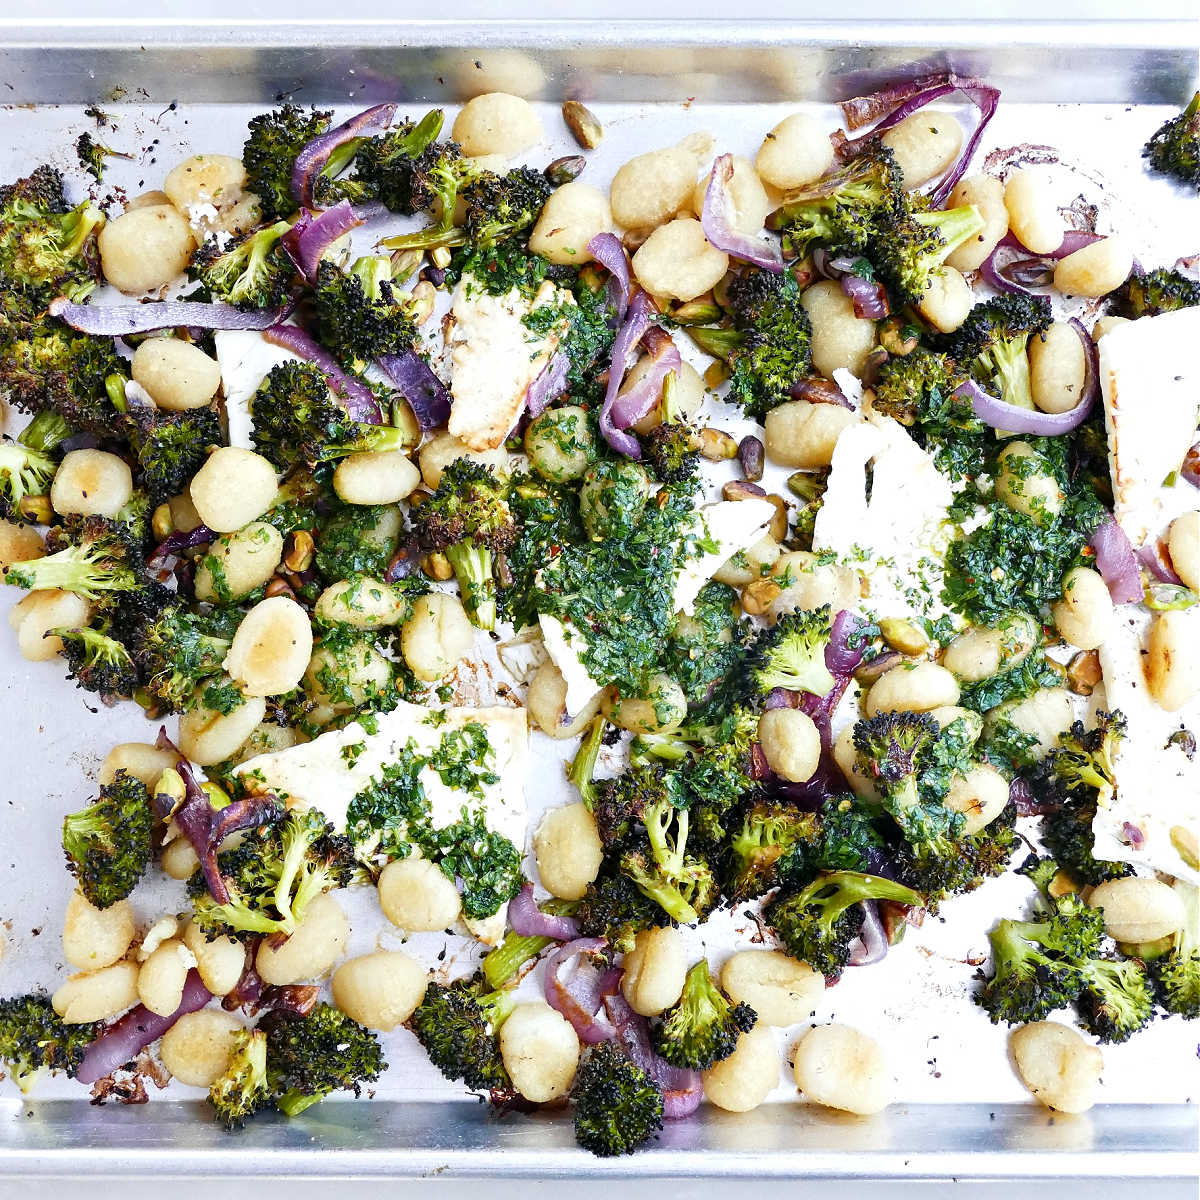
[583, 766]
[472, 565]
[505, 961]
[45, 432]
[293, 1103]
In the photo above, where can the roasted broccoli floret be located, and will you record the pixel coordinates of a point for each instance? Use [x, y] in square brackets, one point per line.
[614, 908]
[34, 1038]
[817, 923]
[361, 313]
[310, 1057]
[98, 662]
[791, 653]
[273, 876]
[458, 1024]
[1149, 293]
[108, 844]
[703, 1026]
[621, 802]
[910, 759]
[962, 865]
[907, 385]
[911, 245]
[1174, 150]
[45, 367]
[254, 272]
[47, 248]
[1031, 975]
[172, 447]
[242, 1088]
[495, 207]
[769, 348]
[469, 520]
[297, 419]
[1083, 762]
[94, 564]
[843, 208]
[1117, 998]
[176, 650]
[269, 153]
[673, 452]
[618, 1107]
[1177, 973]
[91, 155]
[24, 473]
[991, 344]
[767, 836]
[404, 167]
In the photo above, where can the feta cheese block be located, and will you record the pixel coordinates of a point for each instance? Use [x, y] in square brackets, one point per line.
[328, 772]
[1150, 381]
[721, 530]
[494, 357]
[897, 539]
[245, 358]
[1157, 798]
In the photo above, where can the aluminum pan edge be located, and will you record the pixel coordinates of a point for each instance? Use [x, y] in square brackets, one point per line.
[384, 1139]
[196, 60]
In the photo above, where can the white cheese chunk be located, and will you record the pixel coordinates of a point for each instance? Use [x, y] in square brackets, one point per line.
[328, 772]
[1150, 381]
[1158, 788]
[494, 357]
[723, 530]
[566, 647]
[245, 358]
[897, 539]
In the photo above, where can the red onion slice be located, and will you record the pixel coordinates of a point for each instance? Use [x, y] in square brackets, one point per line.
[415, 380]
[781, 698]
[717, 216]
[549, 385]
[607, 250]
[127, 1037]
[357, 399]
[311, 160]
[904, 99]
[868, 298]
[1155, 557]
[999, 414]
[840, 657]
[1116, 562]
[682, 1090]
[1012, 268]
[631, 406]
[175, 542]
[637, 321]
[528, 920]
[314, 233]
[871, 945]
[578, 998]
[118, 320]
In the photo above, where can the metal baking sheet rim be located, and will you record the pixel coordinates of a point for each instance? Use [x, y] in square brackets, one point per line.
[982, 1142]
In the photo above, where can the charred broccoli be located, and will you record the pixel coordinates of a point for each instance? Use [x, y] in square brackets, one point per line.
[310, 1057]
[242, 1088]
[98, 662]
[34, 1038]
[769, 348]
[791, 653]
[172, 447]
[95, 563]
[458, 1024]
[469, 520]
[109, 844]
[175, 651]
[297, 419]
[404, 167]
[1149, 293]
[361, 313]
[254, 272]
[703, 1026]
[1177, 973]
[1174, 150]
[269, 153]
[907, 384]
[817, 923]
[909, 246]
[614, 908]
[618, 1107]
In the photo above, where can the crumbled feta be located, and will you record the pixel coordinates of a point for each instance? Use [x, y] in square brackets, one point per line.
[723, 530]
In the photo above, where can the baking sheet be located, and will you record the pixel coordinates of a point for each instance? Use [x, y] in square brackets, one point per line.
[943, 1049]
